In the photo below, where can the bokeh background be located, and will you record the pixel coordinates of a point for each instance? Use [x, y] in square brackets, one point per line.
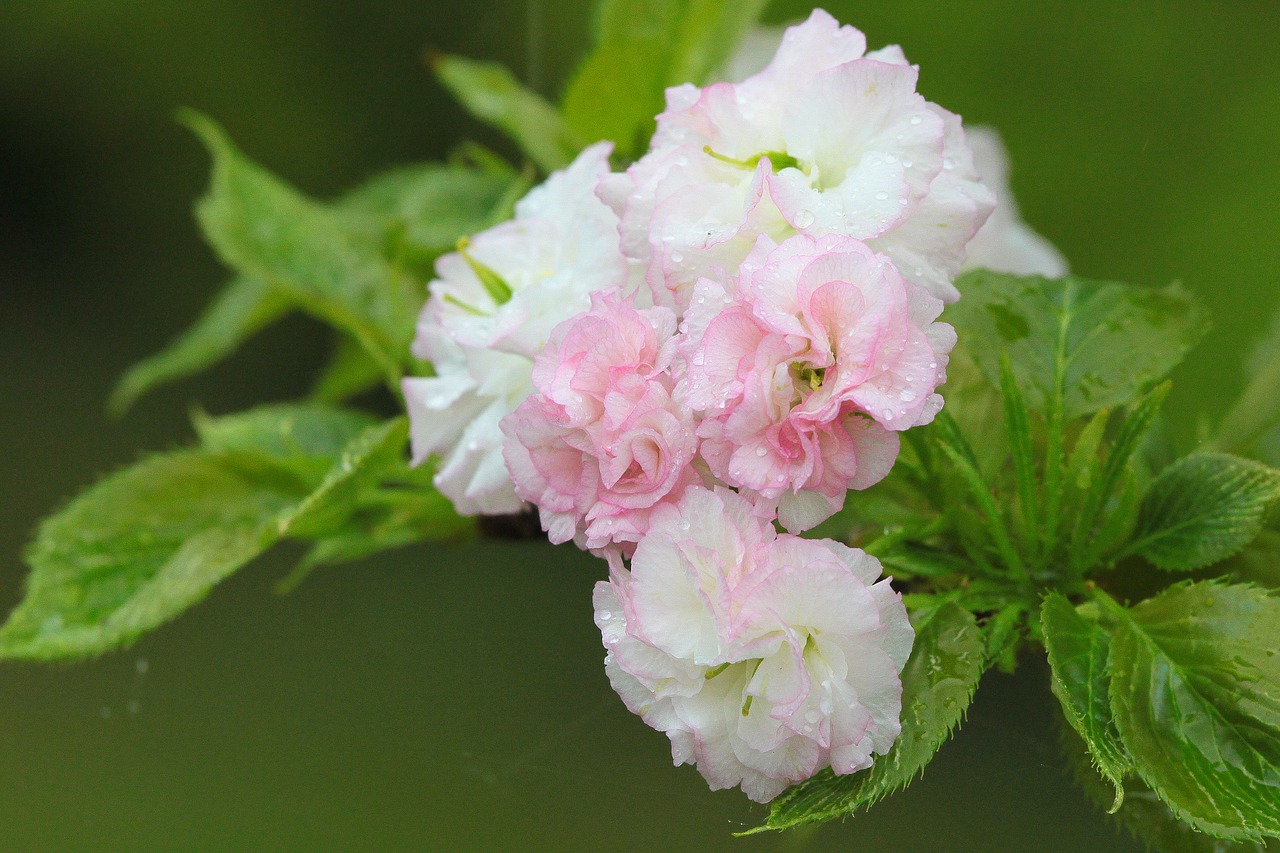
[452, 698]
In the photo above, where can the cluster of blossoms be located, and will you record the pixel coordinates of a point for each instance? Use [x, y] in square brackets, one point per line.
[730, 335]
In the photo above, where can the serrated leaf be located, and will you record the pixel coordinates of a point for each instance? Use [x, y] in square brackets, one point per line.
[1143, 814]
[284, 431]
[384, 519]
[1195, 690]
[268, 231]
[1078, 663]
[141, 546]
[642, 47]
[1076, 344]
[244, 307]
[416, 213]
[1202, 509]
[362, 460]
[937, 684]
[492, 94]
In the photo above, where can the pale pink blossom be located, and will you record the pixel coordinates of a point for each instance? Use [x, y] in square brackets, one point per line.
[603, 441]
[764, 657]
[805, 367]
[561, 246]
[827, 139]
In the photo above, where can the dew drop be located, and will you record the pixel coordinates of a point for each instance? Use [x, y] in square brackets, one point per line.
[882, 195]
[916, 119]
[803, 219]
[676, 257]
[760, 451]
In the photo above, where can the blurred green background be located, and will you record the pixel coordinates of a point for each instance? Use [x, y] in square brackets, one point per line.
[452, 698]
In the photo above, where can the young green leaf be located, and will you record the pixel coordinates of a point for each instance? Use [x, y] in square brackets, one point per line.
[492, 94]
[364, 459]
[1195, 690]
[1018, 428]
[383, 519]
[1075, 345]
[245, 306]
[642, 47]
[283, 431]
[1106, 491]
[937, 686]
[1202, 509]
[429, 206]
[266, 230]
[1257, 411]
[1142, 814]
[1078, 661]
[140, 547]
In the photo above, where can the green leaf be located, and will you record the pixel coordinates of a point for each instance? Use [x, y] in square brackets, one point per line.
[1142, 814]
[362, 461]
[642, 47]
[427, 207]
[140, 547]
[243, 308]
[1018, 427]
[1195, 689]
[1257, 410]
[283, 431]
[492, 94]
[1107, 492]
[937, 686]
[1078, 661]
[1202, 509]
[384, 519]
[268, 231]
[1075, 344]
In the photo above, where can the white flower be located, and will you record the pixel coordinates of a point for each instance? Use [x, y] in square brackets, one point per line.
[490, 312]
[1005, 243]
[827, 139]
[764, 657]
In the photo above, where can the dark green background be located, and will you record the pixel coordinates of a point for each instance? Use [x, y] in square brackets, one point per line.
[452, 698]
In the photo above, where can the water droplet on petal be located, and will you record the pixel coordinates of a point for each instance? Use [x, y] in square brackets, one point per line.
[803, 219]
[916, 119]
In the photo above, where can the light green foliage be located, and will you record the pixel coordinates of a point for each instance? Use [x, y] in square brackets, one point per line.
[1195, 689]
[1077, 651]
[1090, 344]
[147, 542]
[492, 94]
[937, 684]
[244, 307]
[1203, 509]
[141, 546]
[283, 432]
[641, 48]
[265, 229]
[360, 264]
[414, 214]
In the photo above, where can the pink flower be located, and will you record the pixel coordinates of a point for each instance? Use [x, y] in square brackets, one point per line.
[806, 367]
[763, 657]
[827, 139]
[561, 246]
[603, 441]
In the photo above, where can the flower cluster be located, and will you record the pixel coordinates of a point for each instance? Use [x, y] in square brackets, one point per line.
[730, 334]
